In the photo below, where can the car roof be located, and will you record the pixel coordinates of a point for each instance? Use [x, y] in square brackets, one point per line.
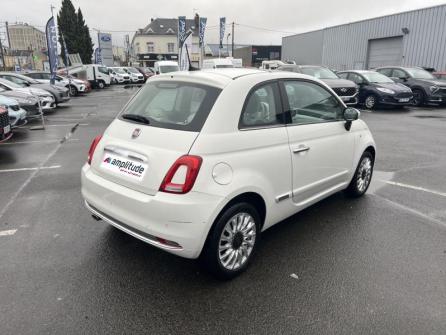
[222, 77]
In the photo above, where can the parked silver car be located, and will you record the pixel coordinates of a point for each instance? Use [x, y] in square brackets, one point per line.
[27, 97]
[60, 94]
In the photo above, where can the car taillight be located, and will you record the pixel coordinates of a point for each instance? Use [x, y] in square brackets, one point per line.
[93, 146]
[182, 175]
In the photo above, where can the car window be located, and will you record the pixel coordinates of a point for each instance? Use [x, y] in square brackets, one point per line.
[311, 103]
[343, 75]
[103, 70]
[32, 75]
[397, 73]
[386, 72]
[262, 108]
[356, 78]
[2, 88]
[16, 80]
[174, 105]
[46, 76]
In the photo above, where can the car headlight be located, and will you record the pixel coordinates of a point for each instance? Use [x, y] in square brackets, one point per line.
[385, 90]
[434, 88]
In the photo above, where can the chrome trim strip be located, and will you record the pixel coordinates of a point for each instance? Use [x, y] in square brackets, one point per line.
[283, 197]
[150, 239]
[126, 153]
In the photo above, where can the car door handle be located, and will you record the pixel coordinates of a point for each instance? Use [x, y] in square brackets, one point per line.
[301, 148]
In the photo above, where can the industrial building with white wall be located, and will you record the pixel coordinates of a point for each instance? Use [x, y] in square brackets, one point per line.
[414, 38]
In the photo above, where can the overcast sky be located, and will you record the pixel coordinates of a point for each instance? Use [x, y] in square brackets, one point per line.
[286, 16]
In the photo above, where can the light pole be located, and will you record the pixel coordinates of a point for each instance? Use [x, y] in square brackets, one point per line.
[227, 43]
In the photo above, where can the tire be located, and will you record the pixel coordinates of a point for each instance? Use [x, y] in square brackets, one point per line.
[73, 91]
[238, 249]
[101, 84]
[418, 97]
[363, 176]
[370, 101]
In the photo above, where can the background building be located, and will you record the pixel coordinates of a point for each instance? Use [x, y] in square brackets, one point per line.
[253, 55]
[119, 56]
[159, 41]
[414, 38]
[26, 37]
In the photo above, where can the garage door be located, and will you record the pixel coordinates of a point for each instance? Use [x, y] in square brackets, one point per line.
[385, 51]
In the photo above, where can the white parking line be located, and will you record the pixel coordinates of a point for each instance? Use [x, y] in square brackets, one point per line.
[412, 187]
[32, 169]
[33, 142]
[66, 125]
[8, 232]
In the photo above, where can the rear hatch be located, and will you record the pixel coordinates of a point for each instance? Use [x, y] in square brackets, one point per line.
[139, 163]
[158, 126]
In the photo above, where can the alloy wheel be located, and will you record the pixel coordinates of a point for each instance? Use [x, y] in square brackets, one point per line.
[237, 241]
[370, 102]
[364, 174]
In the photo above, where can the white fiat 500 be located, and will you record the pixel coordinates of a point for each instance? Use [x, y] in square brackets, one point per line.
[199, 163]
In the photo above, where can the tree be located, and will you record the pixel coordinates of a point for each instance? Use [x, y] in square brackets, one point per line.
[85, 42]
[76, 33]
[67, 24]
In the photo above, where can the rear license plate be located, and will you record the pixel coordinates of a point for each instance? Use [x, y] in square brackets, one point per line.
[404, 100]
[7, 129]
[124, 166]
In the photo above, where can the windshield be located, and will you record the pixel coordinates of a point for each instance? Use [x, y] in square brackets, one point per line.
[174, 105]
[375, 77]
[420, 74]
[133, 70]
[319, 72]
[9, 83]
[168, 68]
[224, 66]
[27, 79]
[120, 71]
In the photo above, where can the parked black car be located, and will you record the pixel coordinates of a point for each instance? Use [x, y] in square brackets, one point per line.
[376, 89]
[345, 89]
[425, 87]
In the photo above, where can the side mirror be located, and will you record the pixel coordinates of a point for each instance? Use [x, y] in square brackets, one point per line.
[350, 115]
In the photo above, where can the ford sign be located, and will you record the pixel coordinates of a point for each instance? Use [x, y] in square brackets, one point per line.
[106, 38]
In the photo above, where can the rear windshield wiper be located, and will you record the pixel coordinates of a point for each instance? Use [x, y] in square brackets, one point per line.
[136, 118]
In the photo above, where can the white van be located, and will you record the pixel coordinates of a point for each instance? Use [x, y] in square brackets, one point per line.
[217, 63]
[98, 75]
[166, 66]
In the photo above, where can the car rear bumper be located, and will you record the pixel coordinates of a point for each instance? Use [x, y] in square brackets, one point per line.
[182, 219]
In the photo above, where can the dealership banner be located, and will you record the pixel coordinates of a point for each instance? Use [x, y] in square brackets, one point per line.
[51, 39]
[222, 30]
[181, 31]
[185, 52]
[98, 56]
[201, 29]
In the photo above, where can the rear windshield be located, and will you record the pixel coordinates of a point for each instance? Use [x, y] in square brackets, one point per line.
[174, 105]
[168, 68]
[224, 66]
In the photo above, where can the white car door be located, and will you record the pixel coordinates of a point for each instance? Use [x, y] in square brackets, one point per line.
[321, 148]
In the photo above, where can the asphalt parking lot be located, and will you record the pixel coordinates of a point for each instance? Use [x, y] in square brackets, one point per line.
[375, 265]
